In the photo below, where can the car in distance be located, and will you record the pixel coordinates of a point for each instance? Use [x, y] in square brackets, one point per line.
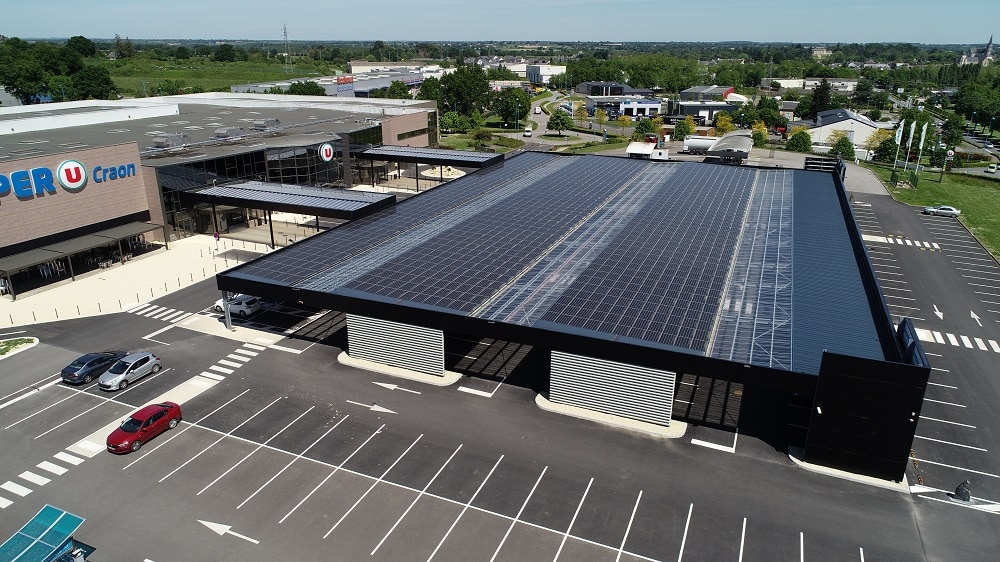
[146, 423]
[90, 366]
[240, 305]
[988, 144]
[942, 211]
[991, 169]
[538, 110]
[129, 369]
[527, 131]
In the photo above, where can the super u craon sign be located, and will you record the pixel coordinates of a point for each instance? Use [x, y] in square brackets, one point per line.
[71, 175]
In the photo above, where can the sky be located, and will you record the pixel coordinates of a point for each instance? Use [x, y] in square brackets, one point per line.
[776, 21]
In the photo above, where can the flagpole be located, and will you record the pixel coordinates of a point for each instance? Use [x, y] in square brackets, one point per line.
[899, 142]
[920, 151]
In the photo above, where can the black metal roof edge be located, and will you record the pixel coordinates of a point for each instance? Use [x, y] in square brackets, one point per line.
[879, 309]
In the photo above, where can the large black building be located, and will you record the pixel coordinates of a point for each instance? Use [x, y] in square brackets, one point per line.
[631, 276]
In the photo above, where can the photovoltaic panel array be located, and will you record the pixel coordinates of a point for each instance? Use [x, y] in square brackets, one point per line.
[661, 279]
[333, 199]
[312, 257]
[431, 155]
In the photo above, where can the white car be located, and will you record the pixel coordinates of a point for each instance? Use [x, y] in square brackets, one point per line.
[942, 211]
[240, 305]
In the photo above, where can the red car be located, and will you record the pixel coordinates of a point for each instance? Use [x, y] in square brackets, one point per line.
[145, 424]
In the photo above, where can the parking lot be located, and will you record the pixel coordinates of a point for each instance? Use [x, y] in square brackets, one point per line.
[287, 453]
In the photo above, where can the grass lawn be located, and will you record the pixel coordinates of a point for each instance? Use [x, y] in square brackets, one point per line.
[457, 141]
[6, 346]
[131, 76]
[977, 198]
[590, 147]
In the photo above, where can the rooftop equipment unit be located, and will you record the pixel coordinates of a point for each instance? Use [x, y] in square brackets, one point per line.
[265, 124]
[170, 140]
[228, 132]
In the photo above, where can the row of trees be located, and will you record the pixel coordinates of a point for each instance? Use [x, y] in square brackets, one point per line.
[35, 71]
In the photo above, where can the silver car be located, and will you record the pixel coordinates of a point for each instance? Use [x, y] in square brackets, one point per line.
[129, 369]
[942, 211]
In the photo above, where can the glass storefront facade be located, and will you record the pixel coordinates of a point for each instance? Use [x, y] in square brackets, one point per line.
[297, 165]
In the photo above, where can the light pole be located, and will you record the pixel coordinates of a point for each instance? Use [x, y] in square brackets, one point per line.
[991, 127]
[517, 117]
[741, 120]
[973, 122]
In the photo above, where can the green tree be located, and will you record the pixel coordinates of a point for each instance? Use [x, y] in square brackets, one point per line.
[93, 82]
[723, 123]
[511, 104]
[877, 137]
[580, 113]
[467, 88]
[822, 98]
[952, 130]
[683, 128]
[431, 90]
[501, 73]
[844, 147]
[123, 48]
[182, 53]
[759, 133]
[82, 45]
[645, 125]
[397, 90]
[449, 121]
[224, 53]
[560, 121]
[874, 114]
[477, 120]
[886, 151]
[938, 157]
[601, 117]
[22, 79]
[800, 142]
[623, 121]
[482, 136]
[306, 88]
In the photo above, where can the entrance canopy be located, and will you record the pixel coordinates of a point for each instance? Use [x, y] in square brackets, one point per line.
[433, 156]
[332, 203]
[17, 262]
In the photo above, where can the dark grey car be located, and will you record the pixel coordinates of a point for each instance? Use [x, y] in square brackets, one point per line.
[90, 366]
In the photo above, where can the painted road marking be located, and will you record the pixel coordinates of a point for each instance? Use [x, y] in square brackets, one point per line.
[52, 467]
[943, 402]
[245, 352]
[230, 363]
[254, 347]
[66, 457]
[966, 342]
[212, 376]
[981, 344]
[950, 443]
[951, 339]
[159, 316]
[34, 478]
[518, 516]
[15, 488]
[182, 317]
[5, 503]
[238, 357]
[573, 520]
[221, 369]
[466, 508]
[946, 421]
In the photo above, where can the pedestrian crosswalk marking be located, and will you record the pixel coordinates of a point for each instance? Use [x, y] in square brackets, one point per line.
[901, 241]
[934, 336]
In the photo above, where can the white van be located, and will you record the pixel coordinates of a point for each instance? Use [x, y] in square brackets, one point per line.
[527, 131]
[538, 110]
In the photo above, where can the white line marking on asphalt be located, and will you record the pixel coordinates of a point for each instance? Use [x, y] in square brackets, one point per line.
[950, 443]
[474, 391]
[285, 349]
[414, 502]
[105, 401]
[254, 347]
[5, 503]
[743, 537]
[940, 369]
[248, 353]
[152, 312]
[182, 317]
[951, 339]
[265, 341]
[216, 442]
[466, 508]
[36, 479]
[15, 488]
[945, 403]
[66, 457]
[34, 387]
[628, 528]
[946, 421]
[189, 426]
[802, 546]
[944, 385]
[238, 357]
[13, 333]
[981, 344]
[938, 337]
[52, 467]
[90, 445]
[959, 468]
[156, 333]
[212, 376]
[334, 471]
[573, 520]
[987, 509]
[372, 487]
[221, 369]
[136, 307]
[966, 342]
[251, 453]
[295, 458]
[191, 320]
[172, 317]
[680, 555]
[229, 363]
[518, 516]
[162, 315]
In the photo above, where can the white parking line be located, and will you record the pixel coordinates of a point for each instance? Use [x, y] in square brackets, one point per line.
[950, 443]
[372, 487]
[573, 520]
[251, 453]
[518, 516]
[466, 508]
[743, 537]
[945, 403]
[216, 442]
[31, 387]
[52, 467]
[295, 458]
[628, 528]
[334, 471]
[680, 555]
[944, 385]
[957, 468]
[414, 502]
[946, 421]
[29, 392]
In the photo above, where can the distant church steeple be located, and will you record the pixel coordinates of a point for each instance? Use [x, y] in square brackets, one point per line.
[982, 56]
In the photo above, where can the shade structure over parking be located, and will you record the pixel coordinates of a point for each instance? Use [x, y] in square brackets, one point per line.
[44, 538]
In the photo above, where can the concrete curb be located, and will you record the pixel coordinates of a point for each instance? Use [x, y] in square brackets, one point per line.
[796, 455]
[676, 430]
[448, 379]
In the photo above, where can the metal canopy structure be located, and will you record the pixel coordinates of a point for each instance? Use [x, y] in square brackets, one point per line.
[58, 250]
[314, 201]
[733, 146]
[433, 156]
[45, 537]
[630, 272]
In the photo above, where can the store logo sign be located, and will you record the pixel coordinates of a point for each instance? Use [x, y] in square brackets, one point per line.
[71, 175]
[326, 152]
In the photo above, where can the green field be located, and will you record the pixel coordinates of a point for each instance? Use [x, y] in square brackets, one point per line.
[978, 199]
[197, 74]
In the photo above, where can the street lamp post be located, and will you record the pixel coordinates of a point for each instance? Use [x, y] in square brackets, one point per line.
[991, 127]
[973, 122]
[741, 120]
[517, 117]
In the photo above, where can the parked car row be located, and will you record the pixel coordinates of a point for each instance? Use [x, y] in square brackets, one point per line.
[114, 370]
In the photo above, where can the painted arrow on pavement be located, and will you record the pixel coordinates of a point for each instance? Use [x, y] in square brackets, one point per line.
[939, 314]
[395, 387]
[976, 318]
[221, 529]
[372, 407]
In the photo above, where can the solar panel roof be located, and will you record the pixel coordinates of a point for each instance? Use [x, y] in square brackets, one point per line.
[672, 255]
[42, 537]
[431, 156]
[272, 195]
